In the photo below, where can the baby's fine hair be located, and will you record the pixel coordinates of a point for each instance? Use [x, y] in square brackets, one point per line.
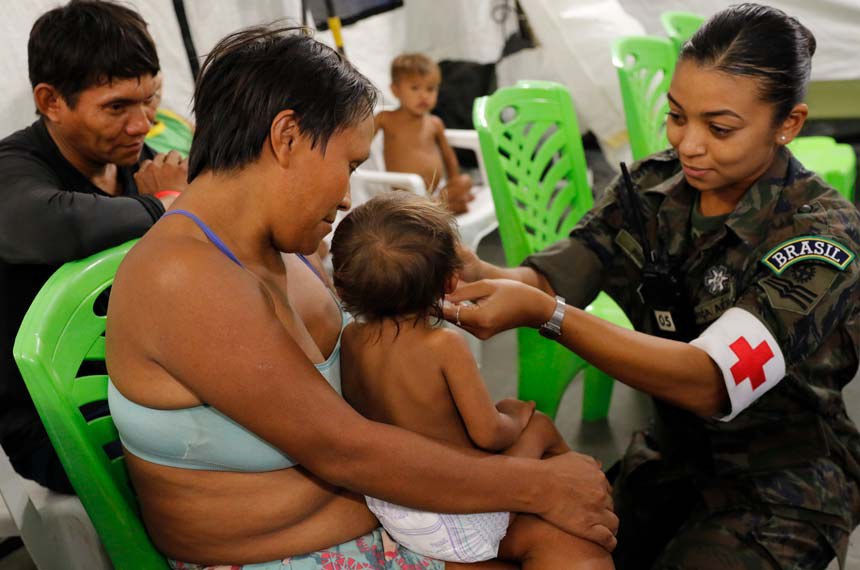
[392, 256]
[408, 64]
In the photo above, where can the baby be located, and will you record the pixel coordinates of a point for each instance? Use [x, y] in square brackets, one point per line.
[414, 140]
[394, 259]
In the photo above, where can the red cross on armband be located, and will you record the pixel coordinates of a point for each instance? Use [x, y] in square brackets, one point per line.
[744, 349]
[750, 362]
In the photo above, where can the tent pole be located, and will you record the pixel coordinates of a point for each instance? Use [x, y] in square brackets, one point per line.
[334, 26]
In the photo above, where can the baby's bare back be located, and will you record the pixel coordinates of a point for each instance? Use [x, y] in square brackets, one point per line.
[398, 380]
[411, 145]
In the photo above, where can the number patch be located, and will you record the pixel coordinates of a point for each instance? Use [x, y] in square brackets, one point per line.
[664, 321]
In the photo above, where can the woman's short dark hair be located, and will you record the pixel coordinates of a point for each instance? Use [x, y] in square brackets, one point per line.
[759, 42]
[86, 43]
[392, 256]
[254, 74]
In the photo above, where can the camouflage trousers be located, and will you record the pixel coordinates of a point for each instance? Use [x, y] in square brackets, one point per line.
[668, 526]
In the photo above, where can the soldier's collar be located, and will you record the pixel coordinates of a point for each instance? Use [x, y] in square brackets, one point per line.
[759, 202]
[756, 204]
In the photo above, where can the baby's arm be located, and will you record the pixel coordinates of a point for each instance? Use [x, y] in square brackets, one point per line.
[379, 122]
[490, 427]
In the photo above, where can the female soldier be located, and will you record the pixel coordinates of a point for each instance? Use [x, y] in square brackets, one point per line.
[737, 267]
[224, 356]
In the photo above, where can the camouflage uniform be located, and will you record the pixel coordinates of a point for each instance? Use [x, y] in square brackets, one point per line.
[777, 486]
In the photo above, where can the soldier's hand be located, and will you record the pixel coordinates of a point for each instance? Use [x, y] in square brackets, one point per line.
[578, 499]
[471, 268]
[497, 305]
[164, 172]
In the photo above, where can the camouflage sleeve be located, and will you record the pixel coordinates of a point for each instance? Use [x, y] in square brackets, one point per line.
[575, 266]
[803, 288]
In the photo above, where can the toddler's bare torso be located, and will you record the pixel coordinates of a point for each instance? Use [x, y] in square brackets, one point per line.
[398, 379]
[411, 144]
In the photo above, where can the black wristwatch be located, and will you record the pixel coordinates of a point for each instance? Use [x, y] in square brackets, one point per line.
[552, 328]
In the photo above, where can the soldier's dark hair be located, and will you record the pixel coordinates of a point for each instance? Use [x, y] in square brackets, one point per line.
[86, 43]
[392, 256]
[254, 74]
[759, 42]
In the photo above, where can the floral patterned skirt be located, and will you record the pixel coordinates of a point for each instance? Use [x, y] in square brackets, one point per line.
[373, 551]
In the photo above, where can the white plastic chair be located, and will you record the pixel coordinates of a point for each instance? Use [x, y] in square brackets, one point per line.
[54, 527]
[372, 178]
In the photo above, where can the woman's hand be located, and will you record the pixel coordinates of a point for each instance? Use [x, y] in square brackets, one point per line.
[497, 305]
[579, 499]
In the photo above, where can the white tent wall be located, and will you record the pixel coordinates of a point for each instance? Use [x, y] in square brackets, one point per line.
[574, 37]
[833, 22]
[443, 29]
[209, 21]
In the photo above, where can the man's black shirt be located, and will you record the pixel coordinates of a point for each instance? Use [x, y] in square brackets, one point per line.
[50, 213]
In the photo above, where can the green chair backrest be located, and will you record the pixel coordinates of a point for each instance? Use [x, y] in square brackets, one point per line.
[680, 26]
[535, 164]
[60, 350]
[645, 66]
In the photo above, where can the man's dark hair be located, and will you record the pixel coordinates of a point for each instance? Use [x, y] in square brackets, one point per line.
[393, 255]
[254, 74]
[86, 43]
[760, 42]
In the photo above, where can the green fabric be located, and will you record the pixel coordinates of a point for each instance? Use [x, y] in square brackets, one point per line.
[702, 224]
[170, 132]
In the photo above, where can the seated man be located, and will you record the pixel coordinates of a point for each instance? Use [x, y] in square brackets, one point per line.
[78, 180]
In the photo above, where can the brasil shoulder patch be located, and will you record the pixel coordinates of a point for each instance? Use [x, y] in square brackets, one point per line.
[807, 248]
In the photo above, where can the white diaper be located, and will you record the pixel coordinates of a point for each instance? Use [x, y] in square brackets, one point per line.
[453, 538]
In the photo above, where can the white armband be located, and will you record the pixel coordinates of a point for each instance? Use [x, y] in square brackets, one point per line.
[747, 354]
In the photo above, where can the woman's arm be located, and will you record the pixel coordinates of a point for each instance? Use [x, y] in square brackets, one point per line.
[214, 329]
[489, 427]
[673, 371]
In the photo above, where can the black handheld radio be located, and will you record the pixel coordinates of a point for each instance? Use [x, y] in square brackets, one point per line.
[661, 289]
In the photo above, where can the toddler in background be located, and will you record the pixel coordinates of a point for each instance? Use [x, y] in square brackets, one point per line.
[414, 140]
[394, 259]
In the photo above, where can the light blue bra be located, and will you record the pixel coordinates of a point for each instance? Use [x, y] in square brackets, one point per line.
[202, 437]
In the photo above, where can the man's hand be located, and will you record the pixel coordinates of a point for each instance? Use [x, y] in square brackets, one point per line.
[164, 172]
[578, 499]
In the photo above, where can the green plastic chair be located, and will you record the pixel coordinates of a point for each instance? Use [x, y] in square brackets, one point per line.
[836, 163]
[61, 336]
[645, 66]
[680, 26]
[536, 168]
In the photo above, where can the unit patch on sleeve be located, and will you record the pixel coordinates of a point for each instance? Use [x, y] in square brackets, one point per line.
[807, 248]
[800, 288]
